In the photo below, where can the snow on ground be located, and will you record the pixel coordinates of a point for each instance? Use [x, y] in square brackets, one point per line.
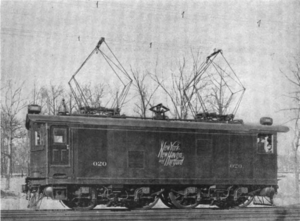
[286, 192]
[285, 196]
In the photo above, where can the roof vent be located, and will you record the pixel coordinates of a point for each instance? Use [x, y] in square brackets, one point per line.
[266, 121]
[34, 109]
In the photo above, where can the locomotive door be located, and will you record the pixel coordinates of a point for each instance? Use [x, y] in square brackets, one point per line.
[60, 152]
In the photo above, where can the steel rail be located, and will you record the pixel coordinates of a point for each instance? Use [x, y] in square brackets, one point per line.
[271, 213]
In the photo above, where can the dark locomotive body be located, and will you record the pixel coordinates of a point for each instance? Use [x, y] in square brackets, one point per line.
[85, 161]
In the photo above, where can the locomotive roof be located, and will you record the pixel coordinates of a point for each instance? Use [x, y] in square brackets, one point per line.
[92, 120]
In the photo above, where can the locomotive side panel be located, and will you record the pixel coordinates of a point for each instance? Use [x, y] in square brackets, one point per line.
[151, 156]
[116, 147]
[171, 156]
[203, 162]
[188, 145]
[91, 148]
[175, 156]
[142, 150]
[241, 158]
[161, 156]
[133, 155]
[136, 151]
[220, 157]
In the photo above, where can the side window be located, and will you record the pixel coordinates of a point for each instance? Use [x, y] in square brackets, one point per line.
[59, 135]
[39, 136]
[265, 144]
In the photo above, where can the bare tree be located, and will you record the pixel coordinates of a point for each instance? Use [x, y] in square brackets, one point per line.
[39, 95]
[71, 103]
[294, 78]
[141, 84]
[20, 153]
[94, 95]
[11, 125]
[179, 81]
[49, 98]
[54, 95]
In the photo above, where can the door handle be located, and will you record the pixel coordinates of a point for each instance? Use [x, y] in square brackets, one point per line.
[68, 147]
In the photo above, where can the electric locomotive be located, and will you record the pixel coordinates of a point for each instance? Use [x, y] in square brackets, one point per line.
[85, 161]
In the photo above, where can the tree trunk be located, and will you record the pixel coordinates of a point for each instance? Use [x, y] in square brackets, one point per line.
[8, 172]
[296, 176]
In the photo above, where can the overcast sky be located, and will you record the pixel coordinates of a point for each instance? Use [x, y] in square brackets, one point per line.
[47, 41]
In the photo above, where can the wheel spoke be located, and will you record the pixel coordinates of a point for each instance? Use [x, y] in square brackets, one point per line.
[144, 200]
[245, 201]
[83, 202]
[183, 201]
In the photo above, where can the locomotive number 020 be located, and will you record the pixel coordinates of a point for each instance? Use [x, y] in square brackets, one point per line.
[236, 166]
[99, 164]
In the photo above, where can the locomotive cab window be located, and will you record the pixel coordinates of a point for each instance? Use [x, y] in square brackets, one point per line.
[265, 144]
[37, 138]
[38, 134]
[59, 135]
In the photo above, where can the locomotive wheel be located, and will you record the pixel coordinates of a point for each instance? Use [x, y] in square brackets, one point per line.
[245, 201]
[223, 204]
[183, 201]
[145, 203]
[165, 199]
[84, 203]
[149, 204]
[35, 200]
[67, 204]
[32, 201]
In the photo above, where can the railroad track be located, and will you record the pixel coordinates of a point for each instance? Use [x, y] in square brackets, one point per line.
[278, 214]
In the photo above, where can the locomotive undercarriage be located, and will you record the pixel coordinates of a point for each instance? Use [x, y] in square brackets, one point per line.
[145, 197]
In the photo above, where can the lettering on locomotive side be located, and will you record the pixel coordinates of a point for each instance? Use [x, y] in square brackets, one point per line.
[170, 154]
[236, 166]
[99, 164]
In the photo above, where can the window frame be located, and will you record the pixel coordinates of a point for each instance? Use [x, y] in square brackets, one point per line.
[64, 136]
[38, 129]
[270, 135]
